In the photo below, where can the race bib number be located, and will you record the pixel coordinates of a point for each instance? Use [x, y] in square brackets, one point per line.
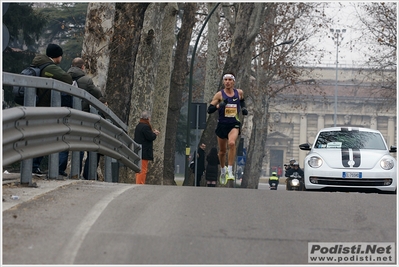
[230, 110]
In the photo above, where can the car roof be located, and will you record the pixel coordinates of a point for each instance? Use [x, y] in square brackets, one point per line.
[348, 128]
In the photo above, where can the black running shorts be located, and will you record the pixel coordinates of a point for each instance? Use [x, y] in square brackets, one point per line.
[222, 130]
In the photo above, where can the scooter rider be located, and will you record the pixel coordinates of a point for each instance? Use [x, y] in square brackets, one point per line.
[289, 166]
[273, 179]
[295, 168]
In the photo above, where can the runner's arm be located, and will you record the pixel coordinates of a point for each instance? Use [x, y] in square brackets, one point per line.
[214, 105]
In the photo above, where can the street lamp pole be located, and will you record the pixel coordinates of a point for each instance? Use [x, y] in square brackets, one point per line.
[337, 37]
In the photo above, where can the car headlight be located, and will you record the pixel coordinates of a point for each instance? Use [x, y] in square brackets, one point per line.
[387, 164]
[315, 162]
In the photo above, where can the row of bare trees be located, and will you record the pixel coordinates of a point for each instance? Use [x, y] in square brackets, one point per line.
[138, 54]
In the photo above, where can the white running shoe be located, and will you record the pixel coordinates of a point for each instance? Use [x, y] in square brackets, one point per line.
[229, 176]
[222, 178]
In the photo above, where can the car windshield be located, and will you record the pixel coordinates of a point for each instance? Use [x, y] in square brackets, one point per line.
[350, 139]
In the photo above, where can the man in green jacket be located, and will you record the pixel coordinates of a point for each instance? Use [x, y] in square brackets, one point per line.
[53, 55]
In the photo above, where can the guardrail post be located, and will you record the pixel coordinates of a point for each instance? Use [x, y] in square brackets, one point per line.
[92, 160]
[27, 165]
[115, 171]
[26, 171]
[107, 169]
[77, 156]
[92, 173]
[76, 163]
[53, 171]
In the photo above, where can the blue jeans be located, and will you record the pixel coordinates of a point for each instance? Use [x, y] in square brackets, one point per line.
[63, 161]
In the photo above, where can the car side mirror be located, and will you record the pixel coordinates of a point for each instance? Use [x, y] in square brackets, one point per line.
[305, 146]
[392, 149]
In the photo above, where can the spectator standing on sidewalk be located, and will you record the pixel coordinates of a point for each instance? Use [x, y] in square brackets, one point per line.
[200, 164]
[212, 168]
[54, 57]
[145, 135]
[78, 74]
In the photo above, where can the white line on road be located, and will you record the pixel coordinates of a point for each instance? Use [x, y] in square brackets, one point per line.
[72, 248]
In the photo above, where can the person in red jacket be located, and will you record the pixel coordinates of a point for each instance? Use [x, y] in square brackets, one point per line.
[145, 135]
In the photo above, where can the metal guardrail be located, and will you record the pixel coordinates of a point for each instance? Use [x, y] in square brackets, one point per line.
[57, 86]
[30, 131]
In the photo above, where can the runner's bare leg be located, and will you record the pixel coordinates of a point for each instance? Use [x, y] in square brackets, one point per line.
[233, 135]
[222, 151]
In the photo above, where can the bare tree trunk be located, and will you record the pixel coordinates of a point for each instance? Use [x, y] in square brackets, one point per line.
[213, 72]
[127, 29]
[178, 86]
[96, 45]
[145, 70]
[162, 91]
[123, 50]
[260, 111]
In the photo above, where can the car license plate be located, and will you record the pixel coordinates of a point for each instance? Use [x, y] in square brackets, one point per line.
[351, 175]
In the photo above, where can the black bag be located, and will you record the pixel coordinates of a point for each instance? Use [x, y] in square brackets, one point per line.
[19, 91]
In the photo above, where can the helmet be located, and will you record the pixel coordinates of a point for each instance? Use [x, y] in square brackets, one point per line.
[274, 173]
[292, 160]
[296, 163]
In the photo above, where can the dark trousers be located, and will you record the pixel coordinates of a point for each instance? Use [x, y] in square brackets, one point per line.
[86, 167]
[63, 161]
[198, 178]
[36, 163]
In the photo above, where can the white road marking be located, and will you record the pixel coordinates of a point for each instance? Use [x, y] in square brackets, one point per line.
[70, 251]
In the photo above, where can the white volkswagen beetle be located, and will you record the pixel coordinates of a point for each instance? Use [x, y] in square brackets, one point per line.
[350, 158]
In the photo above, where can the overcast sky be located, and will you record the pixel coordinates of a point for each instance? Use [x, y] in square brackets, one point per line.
[344, 17]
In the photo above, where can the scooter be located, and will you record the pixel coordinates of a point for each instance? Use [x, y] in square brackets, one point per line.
[273, 184]
[295, 182]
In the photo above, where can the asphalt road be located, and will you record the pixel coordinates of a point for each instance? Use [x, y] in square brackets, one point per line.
[105, 223]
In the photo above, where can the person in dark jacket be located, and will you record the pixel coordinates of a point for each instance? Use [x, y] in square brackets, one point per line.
[77, 72]
[212, 168]
[200, 164]
[295, 168]
[145, 135]
[53, 55]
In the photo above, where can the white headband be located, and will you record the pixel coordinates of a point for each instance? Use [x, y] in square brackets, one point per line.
[231, 76]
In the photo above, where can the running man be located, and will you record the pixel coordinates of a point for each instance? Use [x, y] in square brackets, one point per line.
[229, 102]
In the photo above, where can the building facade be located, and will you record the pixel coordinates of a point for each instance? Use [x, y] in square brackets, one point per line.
[296, 119]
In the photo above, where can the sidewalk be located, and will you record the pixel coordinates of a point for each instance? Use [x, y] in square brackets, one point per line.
[14, 193]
